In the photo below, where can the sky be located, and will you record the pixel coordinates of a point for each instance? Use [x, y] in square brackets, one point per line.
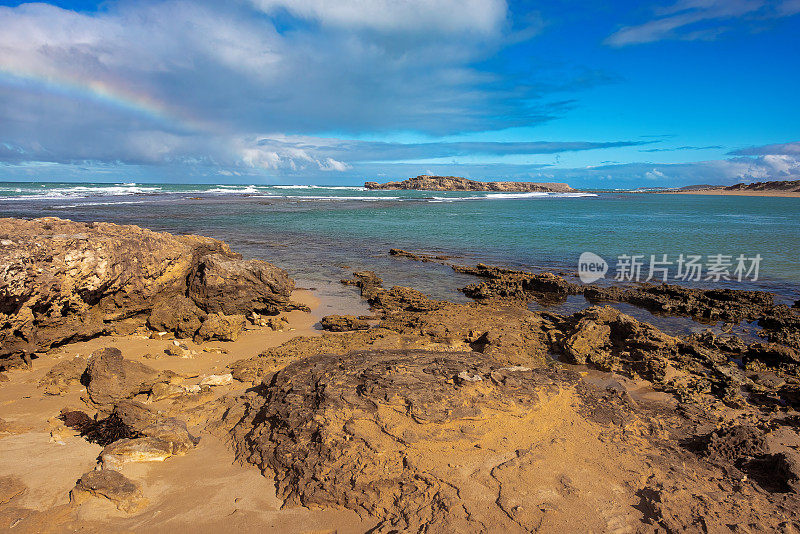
[597, 94]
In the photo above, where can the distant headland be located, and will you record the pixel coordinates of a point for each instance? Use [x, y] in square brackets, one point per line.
[785, 188]
[428, 182]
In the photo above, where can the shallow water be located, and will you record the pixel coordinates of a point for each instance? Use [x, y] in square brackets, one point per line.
[321, 234]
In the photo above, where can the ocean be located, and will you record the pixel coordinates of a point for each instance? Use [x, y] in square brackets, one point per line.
[321, 234]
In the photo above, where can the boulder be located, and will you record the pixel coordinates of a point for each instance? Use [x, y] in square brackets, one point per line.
[222, 327]
[112, 485]
[112, 378]
[178, 314]
[231, 286]
[144, 449]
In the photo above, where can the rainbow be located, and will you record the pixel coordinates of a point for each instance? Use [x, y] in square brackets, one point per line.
[104, 93]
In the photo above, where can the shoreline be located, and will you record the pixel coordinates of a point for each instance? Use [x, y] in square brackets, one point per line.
[506, 409]
[722, 192]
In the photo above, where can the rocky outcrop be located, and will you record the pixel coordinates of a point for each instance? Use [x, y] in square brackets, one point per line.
[343, 323]
[381, 432]
[427, 182]
[63, 281]
[220, 283]
[367, 281]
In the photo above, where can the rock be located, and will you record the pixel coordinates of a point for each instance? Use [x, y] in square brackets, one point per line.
[10, 488]
[163, 390]
[160, 441]
[771, 354]
[612, 340]
[503, 283]
[222, 327]
[367, 281]
[427, 182]
[62, 375]
[181, 350]
[343, 323]
[179, 315]
[63, 281]
[172, 431]
[379, 432]
[112, 485]
[217, 380]
[222, 284]
[112, 378]
[135, 415]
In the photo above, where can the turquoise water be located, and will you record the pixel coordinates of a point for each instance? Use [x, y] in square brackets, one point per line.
[320, 234]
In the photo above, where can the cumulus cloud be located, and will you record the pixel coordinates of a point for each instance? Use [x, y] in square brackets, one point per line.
[481, 16]
[692, 20]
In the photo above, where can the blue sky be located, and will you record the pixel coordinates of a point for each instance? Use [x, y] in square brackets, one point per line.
[597, 94]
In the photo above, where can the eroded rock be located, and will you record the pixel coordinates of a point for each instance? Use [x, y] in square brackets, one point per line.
[112, 378]
[222, 327]
[63, 281]
[112, 485]
[343, 323]
[62, 375]
[374, 431]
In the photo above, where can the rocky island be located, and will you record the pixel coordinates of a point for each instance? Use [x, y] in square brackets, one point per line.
[153, 382]
[427, 182]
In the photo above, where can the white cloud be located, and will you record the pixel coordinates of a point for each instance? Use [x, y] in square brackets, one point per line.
[482, 16]
[693, 20]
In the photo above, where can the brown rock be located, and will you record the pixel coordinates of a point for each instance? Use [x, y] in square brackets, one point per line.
[612, 340]
[112, 378]
[226, 285]
[179, 315]
[343, 323]
[62, 375]
[367, 281]
[64, 281]
[222, 327]
[136, 450]
[112, 485]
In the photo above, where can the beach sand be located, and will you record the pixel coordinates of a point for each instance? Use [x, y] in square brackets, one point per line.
[204, 491]
[722, 192]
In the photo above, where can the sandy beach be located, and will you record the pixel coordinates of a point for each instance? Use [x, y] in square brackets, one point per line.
[723, 192]
[205, 491]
